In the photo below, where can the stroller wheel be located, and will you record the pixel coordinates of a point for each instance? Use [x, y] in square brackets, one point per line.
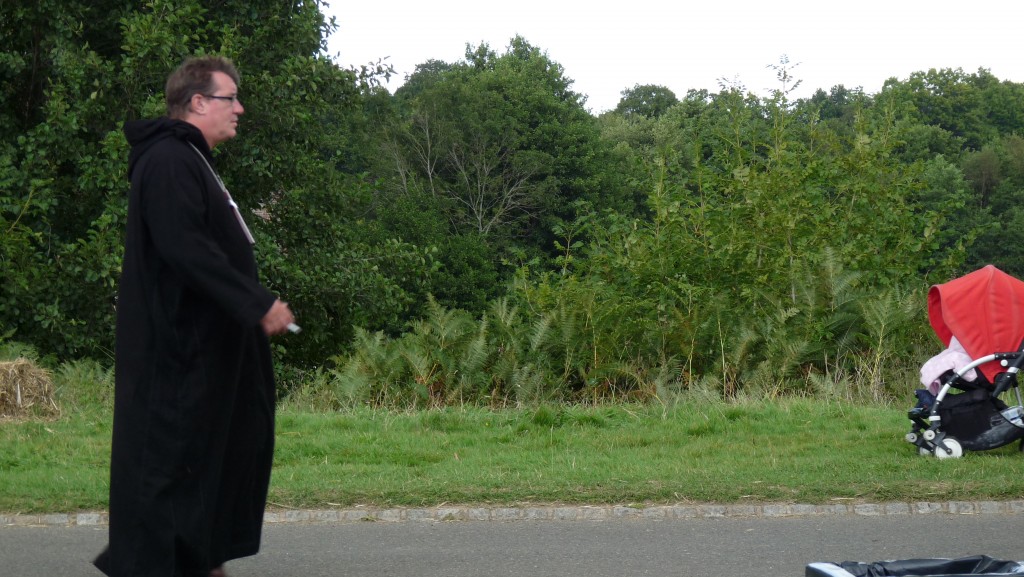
[924, 452]
[911, 437]
[955, 450]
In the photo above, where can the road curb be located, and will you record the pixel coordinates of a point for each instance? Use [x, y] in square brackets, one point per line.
[445, 513]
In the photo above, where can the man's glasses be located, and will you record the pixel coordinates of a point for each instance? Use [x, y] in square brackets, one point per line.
[231, 99]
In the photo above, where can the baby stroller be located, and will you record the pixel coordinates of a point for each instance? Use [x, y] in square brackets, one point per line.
[980, 318]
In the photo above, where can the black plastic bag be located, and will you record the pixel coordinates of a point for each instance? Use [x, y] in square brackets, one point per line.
[975, 565]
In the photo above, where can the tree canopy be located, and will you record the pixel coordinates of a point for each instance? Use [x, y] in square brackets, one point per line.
[716, 239]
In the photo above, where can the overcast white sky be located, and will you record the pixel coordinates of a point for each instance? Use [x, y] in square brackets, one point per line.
[608, 46]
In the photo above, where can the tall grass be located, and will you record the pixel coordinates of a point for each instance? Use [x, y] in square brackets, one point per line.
[566, 339]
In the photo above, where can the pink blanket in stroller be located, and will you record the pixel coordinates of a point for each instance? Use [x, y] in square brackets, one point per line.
[953, 358]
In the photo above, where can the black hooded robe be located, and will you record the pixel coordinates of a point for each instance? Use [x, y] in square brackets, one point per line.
[194, 393]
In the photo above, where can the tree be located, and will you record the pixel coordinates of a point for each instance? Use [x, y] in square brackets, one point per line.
[500, 146]
[60, 176]
[648, 100]
[949, 99]
[995, 176]
[66, 89]
[1003, 102]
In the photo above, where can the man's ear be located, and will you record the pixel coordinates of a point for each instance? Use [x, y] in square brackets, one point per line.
[197, 104]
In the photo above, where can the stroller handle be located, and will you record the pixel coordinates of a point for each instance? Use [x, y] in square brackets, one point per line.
[1011, 361]
[1019, 361]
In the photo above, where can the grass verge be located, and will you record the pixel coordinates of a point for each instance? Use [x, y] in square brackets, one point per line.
[798, 451]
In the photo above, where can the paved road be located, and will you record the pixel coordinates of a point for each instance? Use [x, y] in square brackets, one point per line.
[704, 547]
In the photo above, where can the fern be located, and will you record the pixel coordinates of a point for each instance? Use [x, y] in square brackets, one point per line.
[473, 362]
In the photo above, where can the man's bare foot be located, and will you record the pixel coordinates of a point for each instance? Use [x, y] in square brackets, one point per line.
[218, 572]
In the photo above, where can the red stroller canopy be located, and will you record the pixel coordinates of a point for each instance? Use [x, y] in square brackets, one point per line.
[984, 310]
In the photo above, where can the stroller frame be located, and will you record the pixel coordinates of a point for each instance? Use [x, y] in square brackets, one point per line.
[927, 431]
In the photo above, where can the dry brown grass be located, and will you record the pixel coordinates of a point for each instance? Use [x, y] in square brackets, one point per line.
[26, 390]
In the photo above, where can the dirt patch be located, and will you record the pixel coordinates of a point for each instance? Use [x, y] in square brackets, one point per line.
[26, 390]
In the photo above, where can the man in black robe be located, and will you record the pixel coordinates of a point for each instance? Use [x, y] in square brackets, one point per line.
[194, 394]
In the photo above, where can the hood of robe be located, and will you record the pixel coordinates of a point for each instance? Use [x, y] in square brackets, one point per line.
[143, 134]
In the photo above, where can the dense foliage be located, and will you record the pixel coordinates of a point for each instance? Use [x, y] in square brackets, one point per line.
[66, 90]
[479, 236]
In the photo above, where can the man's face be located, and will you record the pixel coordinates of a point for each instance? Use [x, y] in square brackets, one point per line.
[218, 118]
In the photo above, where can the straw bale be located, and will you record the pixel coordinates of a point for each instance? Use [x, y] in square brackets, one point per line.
[25, 390]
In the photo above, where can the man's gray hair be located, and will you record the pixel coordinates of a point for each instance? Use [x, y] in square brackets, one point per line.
[195, 76]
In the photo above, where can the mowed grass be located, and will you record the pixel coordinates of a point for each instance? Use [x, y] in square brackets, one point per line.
[795, 451]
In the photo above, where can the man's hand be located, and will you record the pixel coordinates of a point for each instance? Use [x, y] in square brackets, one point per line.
[277, 319]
